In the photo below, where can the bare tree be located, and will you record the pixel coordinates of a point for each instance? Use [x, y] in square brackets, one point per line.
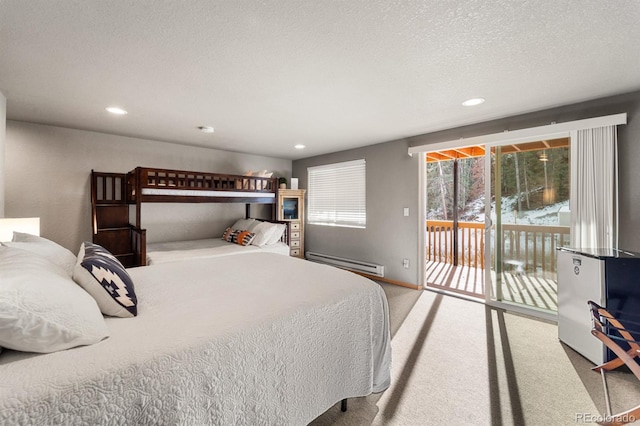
[526, 183]
[515, 156]
[442, 190]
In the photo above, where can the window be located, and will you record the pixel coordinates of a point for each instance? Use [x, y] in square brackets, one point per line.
[337, 194]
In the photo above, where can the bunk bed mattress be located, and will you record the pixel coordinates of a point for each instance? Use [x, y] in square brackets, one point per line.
[255, 339]
[196, 249]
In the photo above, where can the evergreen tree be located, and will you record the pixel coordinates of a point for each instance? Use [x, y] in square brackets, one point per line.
[523, 178]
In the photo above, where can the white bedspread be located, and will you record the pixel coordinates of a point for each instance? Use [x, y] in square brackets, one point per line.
[197, 249]
[260, 339]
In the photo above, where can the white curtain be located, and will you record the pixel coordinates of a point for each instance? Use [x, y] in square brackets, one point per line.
[594, 188]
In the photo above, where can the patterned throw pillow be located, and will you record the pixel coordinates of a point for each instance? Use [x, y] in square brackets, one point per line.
[242, 238]
[104, 278]
[228, 235]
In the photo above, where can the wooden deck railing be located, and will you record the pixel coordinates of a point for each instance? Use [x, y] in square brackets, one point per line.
[533, 247]
[470, 242]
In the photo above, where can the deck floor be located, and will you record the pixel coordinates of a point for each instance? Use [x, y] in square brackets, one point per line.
[538, 290]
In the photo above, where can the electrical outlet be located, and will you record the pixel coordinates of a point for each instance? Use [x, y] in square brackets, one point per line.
[405, 263]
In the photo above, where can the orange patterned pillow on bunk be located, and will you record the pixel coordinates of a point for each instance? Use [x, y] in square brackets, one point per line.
[228, 235]
[243, 238]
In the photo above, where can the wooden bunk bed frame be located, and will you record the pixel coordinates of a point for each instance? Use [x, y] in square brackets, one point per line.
[110, 219]
[112, 195]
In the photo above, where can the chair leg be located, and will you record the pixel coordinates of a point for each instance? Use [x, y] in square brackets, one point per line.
[343, 405]
[626, 357]
[616, 362]
[632, 352]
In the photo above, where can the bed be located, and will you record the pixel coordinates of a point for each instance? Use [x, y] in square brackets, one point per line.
[176, 251]
[223, 340]
[117, 197]
[270, 236]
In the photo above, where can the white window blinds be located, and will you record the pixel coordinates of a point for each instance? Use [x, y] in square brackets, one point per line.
[337, 194]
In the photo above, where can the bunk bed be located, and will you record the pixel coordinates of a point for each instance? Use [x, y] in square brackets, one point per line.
[114, 194]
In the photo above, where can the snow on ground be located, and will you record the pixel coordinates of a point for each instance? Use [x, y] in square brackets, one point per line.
[547, 215]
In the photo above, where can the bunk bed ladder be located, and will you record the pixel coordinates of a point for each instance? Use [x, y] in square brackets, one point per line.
[110, 219]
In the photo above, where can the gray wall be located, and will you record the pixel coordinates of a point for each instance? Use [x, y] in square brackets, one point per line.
[628, 148]
[392, 183]
[3, 116]
[47, 172]
[390, 237]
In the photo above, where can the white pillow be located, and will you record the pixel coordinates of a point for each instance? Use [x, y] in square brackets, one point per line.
[54, 252]
[243, 224]
[263, 231]
[277, 233]
[41, 308]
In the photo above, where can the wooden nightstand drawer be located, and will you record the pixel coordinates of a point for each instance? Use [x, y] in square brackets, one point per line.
[295, 252]
[295, 226]
[295, 235]
[295, 244]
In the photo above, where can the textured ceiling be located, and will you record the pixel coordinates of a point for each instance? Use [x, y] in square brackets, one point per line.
[331, 75]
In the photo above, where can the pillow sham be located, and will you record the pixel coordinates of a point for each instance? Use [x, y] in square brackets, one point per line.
[106, 280]
[277, 233]
[53, 251]
[263, 231]
[243, 224]
[243, 238]
[43, 310]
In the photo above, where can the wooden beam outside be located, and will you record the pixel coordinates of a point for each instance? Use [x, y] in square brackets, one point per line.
[479, 150]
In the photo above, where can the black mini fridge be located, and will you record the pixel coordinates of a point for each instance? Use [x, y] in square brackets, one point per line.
[609, 277]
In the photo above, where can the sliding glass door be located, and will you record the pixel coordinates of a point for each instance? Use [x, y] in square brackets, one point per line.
[526, 218]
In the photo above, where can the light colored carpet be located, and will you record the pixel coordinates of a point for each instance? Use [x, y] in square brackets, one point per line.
[457, 362]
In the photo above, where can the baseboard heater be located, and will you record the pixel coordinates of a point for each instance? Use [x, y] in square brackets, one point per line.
[350, 264]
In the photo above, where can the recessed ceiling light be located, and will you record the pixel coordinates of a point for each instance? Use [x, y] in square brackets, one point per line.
[116, 110]
[299, 146]
[206, 129]
[473, 102]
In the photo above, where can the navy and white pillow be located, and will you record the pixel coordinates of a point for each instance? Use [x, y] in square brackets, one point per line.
[104, 278]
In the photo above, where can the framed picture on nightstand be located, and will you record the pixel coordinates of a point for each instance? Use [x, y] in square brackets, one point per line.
[290, 208]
